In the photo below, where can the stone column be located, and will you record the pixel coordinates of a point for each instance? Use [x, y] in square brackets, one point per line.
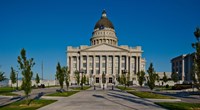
[87, 69]
[139, 62]
[127, 63]
[183, 72]
[107, 64]
[113, 65]
[120, 58]
[136, 64]
[71, 64]
[81, 62]
[94, 69]
[77, 62]
[100, 64]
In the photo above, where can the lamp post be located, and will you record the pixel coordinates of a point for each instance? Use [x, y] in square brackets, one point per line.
[124, 73]
[81, 71]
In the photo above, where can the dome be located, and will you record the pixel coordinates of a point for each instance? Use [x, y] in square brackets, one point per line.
[104, 22]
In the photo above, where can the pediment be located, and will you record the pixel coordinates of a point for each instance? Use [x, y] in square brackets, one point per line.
[104, 47]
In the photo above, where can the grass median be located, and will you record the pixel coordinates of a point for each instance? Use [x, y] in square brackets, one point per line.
[149, 95]
[63, 94]
[179, 105]
[22, 105]
[7, 91]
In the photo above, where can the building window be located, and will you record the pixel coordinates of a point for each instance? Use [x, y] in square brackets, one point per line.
[74, 58]
[91, 71]
[91, 64]
[110, 65]
[110, 80]
[110, 58]
[97, 71]
[84, 58]
[90, 58]
[103, 58]
[97, 80]
[97, 65]
[123, 58]
[103, 65]
[84, 65]
[97, 59]
[74, 65]
[123, 65]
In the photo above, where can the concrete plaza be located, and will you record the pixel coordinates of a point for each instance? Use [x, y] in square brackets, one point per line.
[101, 100]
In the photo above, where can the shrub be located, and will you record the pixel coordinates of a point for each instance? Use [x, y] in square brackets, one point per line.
[181, 86]
[167, 86]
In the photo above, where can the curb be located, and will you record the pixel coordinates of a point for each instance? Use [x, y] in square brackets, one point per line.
[163, 100]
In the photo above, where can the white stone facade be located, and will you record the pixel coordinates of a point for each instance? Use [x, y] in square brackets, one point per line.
[104, 56]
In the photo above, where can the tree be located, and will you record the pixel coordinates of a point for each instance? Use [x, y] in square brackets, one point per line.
[196, 64]
[174, 77]
[13, 76]
[59, 75]
[67, 76]
[77, 77]
[84, 79]
[128, 78]
[25, 65]
[87, 80]
[165, 78]
[141, 77]
[152, 77]
[158, 79]
[2, 77]
[122, 79]
[37, 79]
[118, 78]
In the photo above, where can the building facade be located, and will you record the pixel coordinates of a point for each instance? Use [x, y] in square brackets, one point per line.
[104, 56]
[183, 65]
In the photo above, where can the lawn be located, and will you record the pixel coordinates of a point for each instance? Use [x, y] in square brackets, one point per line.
[21, 105]
[162, 88]
[179, 105]
[7, 91]
[149, 95]
[79, 88]
[123, 88]
[63, 94]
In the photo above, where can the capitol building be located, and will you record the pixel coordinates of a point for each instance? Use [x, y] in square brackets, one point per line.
[104, 56]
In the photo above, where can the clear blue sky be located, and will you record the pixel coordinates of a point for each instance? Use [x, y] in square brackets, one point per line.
[164, 29]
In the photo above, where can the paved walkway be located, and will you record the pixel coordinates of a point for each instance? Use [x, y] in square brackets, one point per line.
[102, 100]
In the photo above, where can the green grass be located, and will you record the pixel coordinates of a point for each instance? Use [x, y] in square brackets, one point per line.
[149, 95]
[63, 94]
[22, 105]
[79, 88]
[7, 91]
[161, 88]
[123, 88]
[179, 105]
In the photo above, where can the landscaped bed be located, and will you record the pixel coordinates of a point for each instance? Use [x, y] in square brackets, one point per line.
[22, 105]
[149, 95]
[179, 105]
[79, 88]
[63, 94]
[123, 88]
